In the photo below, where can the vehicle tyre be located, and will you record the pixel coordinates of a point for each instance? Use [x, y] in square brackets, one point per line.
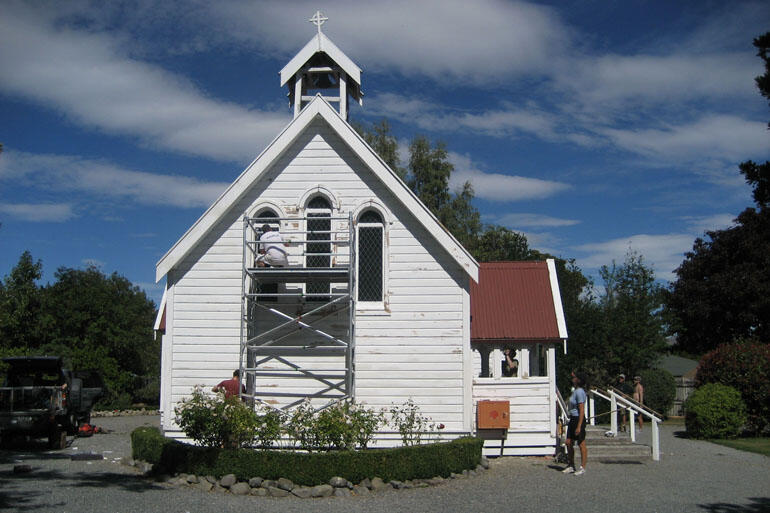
[57, 438]
[72, 424]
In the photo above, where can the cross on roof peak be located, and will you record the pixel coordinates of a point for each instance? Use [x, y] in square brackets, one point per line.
[318, 19]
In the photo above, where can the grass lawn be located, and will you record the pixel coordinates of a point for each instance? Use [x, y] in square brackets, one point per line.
[758, 445]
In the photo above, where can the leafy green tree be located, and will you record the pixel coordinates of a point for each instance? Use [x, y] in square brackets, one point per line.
[632, 311]
[722, 289]
[20, 305]
[498, 243]
[384, 143]
[429, 172]
[102, 322]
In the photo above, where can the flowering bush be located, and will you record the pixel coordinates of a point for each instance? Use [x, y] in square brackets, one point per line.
[344, 425]
[410, 423]
[269, 426]
[216, 421]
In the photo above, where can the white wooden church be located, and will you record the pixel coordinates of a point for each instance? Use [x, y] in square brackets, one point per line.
[375, 302]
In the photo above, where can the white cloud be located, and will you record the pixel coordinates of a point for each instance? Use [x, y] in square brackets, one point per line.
[663, 252]
[101, 179]
[499, 186]
[526, 220]
[89, 78]
[712, 222]
[443, 39]
[507, 121]
[39, 212]
[712, 136]
[609, 81]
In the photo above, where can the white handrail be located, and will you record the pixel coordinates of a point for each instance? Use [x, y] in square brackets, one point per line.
[634, 408]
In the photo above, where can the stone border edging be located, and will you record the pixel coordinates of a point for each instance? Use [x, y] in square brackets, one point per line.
[123, 413]
[337, 486]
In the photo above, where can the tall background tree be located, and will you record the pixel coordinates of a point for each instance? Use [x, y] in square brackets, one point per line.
[722, 288]
[92, 320]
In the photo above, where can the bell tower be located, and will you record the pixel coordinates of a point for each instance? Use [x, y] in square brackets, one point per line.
[321, 68]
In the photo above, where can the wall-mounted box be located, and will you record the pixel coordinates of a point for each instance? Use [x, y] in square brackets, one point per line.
[493, 415]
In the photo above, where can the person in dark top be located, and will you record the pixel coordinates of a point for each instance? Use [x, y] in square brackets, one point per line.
[510, 365]
[230, 387]
[623, 387]
[576, 429]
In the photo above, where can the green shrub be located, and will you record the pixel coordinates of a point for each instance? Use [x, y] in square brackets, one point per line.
[269, 426]
[410, 423]
[659, 389]
[147, 444]
[216, 421]
[401, 463]
[744, 365]
[714, 411]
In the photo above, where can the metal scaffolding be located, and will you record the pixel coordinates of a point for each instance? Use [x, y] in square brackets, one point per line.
[298, 321]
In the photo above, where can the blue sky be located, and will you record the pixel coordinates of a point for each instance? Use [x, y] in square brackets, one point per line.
[592, 128]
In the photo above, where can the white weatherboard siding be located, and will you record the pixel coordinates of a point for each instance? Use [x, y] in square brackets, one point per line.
[412, 349]
[531, 420]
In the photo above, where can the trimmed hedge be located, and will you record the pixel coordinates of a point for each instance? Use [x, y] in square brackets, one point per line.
[401, 463]
[147, 444]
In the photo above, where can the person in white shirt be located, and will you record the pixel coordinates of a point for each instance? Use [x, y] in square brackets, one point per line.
[271, 248]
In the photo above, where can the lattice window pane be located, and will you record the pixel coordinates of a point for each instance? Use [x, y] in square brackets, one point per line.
[320, 222]
[370, 263]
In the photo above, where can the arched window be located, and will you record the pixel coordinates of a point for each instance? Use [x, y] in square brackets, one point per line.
[370, 253]
[319, 224]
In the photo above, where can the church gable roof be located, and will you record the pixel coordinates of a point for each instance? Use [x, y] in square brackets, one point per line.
[317, 107]
[320, 43]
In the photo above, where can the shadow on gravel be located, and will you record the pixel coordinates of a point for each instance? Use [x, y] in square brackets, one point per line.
[757, 505]
[96, 479]
[29, 457]
[681, 434]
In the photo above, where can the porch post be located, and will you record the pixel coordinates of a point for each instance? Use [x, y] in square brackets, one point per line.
[614, 415]
[497, 368]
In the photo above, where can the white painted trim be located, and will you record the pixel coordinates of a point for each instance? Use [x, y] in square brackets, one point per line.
[561, 322]
[267, 204]
[467, 360]
[320, 43]
[374, 204]
[551, 367]
[161, 309]
[318, 107]
[537, 380]
[319, 190]
[167, 357]
[374, 307]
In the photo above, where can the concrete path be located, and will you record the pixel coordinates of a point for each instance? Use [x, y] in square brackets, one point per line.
[692, 476]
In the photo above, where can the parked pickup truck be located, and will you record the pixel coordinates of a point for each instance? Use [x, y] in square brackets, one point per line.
[40, 398]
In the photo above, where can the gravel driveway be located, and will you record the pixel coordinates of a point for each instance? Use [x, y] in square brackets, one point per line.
[692, 476]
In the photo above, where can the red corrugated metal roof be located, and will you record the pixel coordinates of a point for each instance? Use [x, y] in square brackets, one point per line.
[513, 301]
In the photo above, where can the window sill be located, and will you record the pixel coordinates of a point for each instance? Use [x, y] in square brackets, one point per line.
[371, 309]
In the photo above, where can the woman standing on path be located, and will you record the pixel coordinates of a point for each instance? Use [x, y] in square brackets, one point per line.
[576, 431]
[639, 396]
